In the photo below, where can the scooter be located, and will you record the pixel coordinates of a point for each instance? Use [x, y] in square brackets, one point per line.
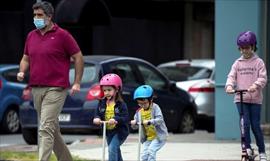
[104, 140]
[245, 156]
[104, 123]
[140, 124]
[139, 137]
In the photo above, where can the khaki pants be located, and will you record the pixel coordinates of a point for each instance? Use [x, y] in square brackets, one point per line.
[48, 102]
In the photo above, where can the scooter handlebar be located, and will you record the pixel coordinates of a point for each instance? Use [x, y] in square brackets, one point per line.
[104, 122]
[240, 90]
[107, 122]
[137, 123]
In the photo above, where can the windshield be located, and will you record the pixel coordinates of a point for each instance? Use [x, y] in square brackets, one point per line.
[185, 73]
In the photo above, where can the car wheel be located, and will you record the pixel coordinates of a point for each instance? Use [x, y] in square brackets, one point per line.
[30, 136]
[211, 126]
[11, 121]
[187, 123]
[207, 124]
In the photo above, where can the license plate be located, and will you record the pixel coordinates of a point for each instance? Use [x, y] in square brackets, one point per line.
[64, 117]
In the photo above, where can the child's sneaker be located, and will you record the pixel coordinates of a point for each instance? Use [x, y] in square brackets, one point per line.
[249, 152]
[263, 157]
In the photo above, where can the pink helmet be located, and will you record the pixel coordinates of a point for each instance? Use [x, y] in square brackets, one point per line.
[111, 79]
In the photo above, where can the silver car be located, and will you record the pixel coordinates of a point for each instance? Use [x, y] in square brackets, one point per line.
[197, 77]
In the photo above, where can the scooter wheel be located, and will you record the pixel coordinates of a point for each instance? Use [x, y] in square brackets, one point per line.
[244, 159]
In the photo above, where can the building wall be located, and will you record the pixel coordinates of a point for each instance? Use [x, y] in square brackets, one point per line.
[152, 40]
[157, 31]
[198, 30]
[265, 34]
[232, 17]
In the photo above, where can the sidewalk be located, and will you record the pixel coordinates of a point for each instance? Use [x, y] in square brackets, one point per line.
[182, 147]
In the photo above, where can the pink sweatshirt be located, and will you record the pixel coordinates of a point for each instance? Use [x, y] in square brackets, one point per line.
[243, 74]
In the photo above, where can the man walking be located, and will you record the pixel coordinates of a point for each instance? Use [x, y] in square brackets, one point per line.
[47, 54]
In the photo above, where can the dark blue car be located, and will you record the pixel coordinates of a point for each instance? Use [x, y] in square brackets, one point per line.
[10, 98]
[178, 106]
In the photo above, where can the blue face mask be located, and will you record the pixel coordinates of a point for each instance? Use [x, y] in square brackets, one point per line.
[39, 23]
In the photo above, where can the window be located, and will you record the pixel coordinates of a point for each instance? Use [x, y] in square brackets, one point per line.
[128, 76]
[11, 76]
[89, 74]
[186, 73]
[199, 73]
[151, 77]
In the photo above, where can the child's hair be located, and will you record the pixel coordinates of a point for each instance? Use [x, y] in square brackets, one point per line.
[142, 99]
[254, 48]
[118, 96]
[151, 98]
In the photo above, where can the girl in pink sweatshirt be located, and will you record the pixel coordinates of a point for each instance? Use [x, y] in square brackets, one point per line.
[249, 72]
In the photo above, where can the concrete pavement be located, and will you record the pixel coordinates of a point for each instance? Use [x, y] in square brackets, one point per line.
[182, 147]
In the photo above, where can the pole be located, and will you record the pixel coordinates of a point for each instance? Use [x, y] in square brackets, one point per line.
[103, 141]
[38, 127]
[139, 136]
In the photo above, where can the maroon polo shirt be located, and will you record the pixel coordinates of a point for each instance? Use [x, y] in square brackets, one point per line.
[49, 57]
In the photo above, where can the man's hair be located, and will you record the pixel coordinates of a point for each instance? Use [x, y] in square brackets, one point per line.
[45, 6]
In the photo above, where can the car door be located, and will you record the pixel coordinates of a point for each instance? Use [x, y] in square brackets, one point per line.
[15, 87]
[90, 76]
[10, 99]
[166, 99]
[129, 79]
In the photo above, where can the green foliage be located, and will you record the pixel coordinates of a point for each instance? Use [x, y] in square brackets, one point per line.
[28, 156]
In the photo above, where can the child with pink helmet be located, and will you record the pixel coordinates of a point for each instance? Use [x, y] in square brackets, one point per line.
[113, 110]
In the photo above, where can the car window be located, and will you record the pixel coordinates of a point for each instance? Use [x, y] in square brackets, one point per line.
[173, 73]
[126, 73]
[11, 76]
[213, 75]
[89, 74]
[185, 73]
[199, 73]
[151, 77]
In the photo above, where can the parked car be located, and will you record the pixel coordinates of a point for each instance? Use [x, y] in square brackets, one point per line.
[178, 107]
[197, 77]
[10, 98]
